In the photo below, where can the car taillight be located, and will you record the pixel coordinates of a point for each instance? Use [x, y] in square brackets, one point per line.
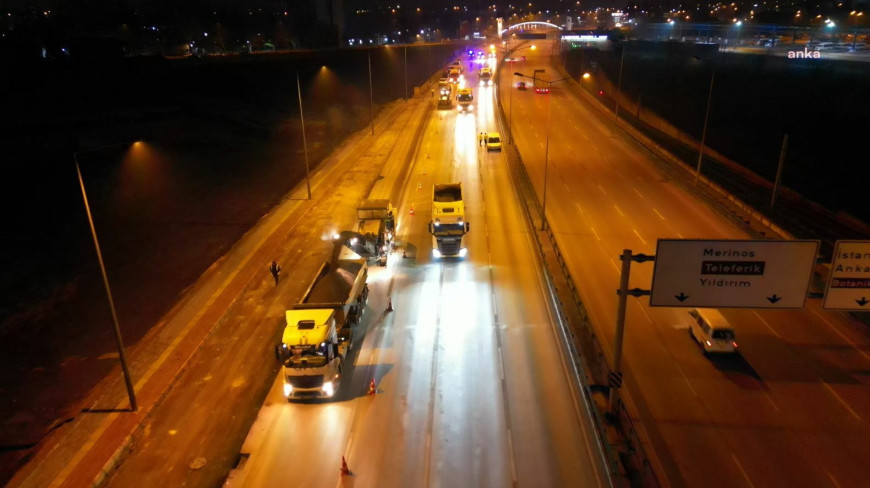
[734, 344]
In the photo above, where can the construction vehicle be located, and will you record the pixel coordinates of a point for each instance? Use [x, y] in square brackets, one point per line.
[377, 226]
[319, 330]
[448, 226]
[445, 101]
[464, 98]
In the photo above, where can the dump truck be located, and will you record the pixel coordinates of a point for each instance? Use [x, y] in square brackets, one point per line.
[464, 98]
[319, 331]
[485, 76]
[448, 225]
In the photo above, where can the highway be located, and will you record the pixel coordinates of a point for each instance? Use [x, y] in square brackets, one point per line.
[791, 410]
[474, 386]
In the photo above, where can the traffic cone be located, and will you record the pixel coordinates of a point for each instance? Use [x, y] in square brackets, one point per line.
[390, 304]
[345, 471]
[412, 210]
[372, 390]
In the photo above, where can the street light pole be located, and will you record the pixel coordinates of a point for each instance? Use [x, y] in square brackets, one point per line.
[546, 165]
[304, 141]
[511, 109]
[116, 329]
[546, 145]
[704, 131]
[406, 71]
[619, 88]
[371, 95]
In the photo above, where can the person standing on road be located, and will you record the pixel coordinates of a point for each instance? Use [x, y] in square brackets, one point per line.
[275, 269]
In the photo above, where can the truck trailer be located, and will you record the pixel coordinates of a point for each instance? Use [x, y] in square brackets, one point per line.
[319, 330]
[448, 225]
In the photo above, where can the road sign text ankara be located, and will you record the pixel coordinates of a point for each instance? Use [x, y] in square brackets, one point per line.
[732, 273]
[849, 281]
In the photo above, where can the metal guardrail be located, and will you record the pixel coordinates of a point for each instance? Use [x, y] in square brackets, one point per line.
[626, 455]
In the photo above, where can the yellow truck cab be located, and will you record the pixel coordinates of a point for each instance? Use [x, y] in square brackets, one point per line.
[311, 354]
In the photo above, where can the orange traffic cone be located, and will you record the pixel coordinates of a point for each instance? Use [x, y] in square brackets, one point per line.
[345, 471]
[372, 389]
[412, 210]
[390, 304]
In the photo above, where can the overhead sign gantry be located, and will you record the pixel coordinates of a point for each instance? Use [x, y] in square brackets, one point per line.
[732, 273]
[849, 280]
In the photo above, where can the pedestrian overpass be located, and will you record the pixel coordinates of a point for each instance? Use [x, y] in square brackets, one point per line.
[528, 25]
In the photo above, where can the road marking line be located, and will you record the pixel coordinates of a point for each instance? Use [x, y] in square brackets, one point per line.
[838, 397]
[770, 399]
[660, 215]
[602, 189]
[511, 457]
[852, 343]
[617, 268]
[618, 210]
[596, 233]
[500, 364]
[579, 207]
[742, 471]
[833, 480]
[765, 323]
[638, 192]
[680, 235]
[638, 235]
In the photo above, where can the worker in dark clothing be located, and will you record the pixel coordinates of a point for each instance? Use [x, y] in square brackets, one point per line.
[275, 269]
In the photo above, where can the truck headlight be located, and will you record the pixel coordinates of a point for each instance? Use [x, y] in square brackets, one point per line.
[436, 253]
[463, 252]
[328, 388]
[288, 389]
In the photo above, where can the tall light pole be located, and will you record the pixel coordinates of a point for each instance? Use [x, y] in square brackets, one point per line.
[706, 119]
[619, 88]
[406, 71]
[131, 394]
[371, 94]
[304, 140]
[546, 145]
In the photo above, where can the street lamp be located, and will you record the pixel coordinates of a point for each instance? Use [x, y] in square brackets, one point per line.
[546, 145]
[116, 327]
[857, 15]
[302, 119]
[371, 94]
[706, 118]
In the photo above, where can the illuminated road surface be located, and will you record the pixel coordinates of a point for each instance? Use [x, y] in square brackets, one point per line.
[791, 411]
[473, 386]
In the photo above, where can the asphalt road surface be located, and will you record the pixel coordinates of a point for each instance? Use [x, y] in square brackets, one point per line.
[791, 410]
[474, 388]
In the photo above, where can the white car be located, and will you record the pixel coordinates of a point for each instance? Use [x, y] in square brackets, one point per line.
[712, 331]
